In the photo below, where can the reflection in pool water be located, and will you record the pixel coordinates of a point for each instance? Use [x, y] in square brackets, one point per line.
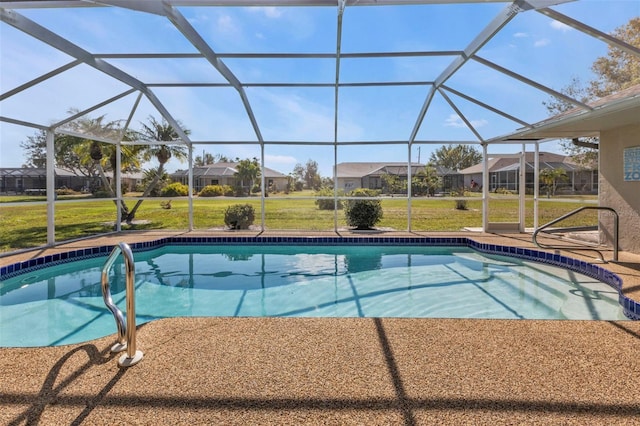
[63, 304]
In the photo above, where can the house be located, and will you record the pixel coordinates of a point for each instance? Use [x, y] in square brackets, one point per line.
[352, 175]
[33, 180]
[224, 174]
[504, 172]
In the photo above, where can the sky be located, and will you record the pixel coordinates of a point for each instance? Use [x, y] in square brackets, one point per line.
[532, 45]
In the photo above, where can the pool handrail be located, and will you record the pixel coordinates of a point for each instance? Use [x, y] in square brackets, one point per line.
[126, 330]
[572, 213]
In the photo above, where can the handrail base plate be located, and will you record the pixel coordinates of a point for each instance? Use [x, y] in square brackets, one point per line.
[125, 361]
[118, 347]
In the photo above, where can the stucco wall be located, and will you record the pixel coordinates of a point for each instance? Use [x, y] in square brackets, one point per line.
[615, 192]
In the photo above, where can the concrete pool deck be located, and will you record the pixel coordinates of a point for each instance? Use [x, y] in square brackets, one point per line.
[337, 370]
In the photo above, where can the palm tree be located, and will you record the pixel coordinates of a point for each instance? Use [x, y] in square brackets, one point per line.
[551, 177]
[92, 157]
[247, 171]
[158, 131]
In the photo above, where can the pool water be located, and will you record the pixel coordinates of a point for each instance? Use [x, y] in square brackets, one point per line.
[63, 304]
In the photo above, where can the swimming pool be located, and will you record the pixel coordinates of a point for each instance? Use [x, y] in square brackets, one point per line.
[62, 304]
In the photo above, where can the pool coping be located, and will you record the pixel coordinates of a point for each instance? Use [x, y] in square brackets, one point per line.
[631, 308]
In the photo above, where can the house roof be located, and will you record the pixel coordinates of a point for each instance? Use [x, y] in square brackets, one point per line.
[360, 169]
[33, 172]
[223, 170]
[613, 111]
[501, 163]
[569, 167]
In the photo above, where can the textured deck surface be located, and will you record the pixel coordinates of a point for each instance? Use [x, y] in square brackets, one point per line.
[337, 370]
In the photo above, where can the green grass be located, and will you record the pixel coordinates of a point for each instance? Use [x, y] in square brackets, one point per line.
[24, 225]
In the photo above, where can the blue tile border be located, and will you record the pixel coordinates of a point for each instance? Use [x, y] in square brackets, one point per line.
[631, 308]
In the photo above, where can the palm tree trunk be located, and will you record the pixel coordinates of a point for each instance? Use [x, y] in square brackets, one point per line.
[124, 210]
[152, 185]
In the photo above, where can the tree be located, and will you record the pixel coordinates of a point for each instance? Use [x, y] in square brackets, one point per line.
[298, 176]
[456, 157]
[392, 184]
[158, 131]
[247, 171]
[616, 71]
[207, 159]
[551, 178]
[426, 182]
[619, 69]
[312, 176]
[308, 174]
[585, 151]
[35, 148]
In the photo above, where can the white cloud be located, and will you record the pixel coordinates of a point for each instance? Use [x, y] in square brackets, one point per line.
[521, 35]
[269, 12]
[225, 24]
[557, 25]
[280, 159]
[542, 42]
[479, 123]
[455, 121]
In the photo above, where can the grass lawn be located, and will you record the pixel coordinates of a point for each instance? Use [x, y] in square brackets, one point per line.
[24, 225]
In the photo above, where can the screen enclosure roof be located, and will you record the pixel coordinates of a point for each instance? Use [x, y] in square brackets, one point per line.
[316, 71]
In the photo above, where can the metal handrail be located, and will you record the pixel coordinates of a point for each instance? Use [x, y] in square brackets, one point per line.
[126, 330]
[572, 213]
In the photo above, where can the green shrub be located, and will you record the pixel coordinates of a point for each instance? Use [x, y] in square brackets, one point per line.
[175, 189]
[102, 194]
[326, 204]
[364, 192]
[211, 191]
[239, 216]
[460, 204]
[363, 214]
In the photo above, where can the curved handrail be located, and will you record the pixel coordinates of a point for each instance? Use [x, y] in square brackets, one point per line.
[572, 213]
[126, 330]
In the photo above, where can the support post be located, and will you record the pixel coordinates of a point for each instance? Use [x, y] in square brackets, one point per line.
[190, 184]
[262, 188]
[522, 177]
[485, 189]
[51, 189]
[536, 184]
[117, 175]
[409, 188]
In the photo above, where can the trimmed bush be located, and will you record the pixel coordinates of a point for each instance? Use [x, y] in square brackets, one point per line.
[175, 189]
[460, 204]
[216, 191]
[326, 204]
[239, 216]
[363, 214]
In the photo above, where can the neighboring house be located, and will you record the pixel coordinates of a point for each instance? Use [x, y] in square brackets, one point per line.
[33, 180]
[224, 174]
[368, 175]
[504, 172]
[129, 181]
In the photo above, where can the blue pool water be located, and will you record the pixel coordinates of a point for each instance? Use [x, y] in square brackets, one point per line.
[63, 304]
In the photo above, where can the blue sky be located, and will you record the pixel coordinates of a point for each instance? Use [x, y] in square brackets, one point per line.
[532, 45]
